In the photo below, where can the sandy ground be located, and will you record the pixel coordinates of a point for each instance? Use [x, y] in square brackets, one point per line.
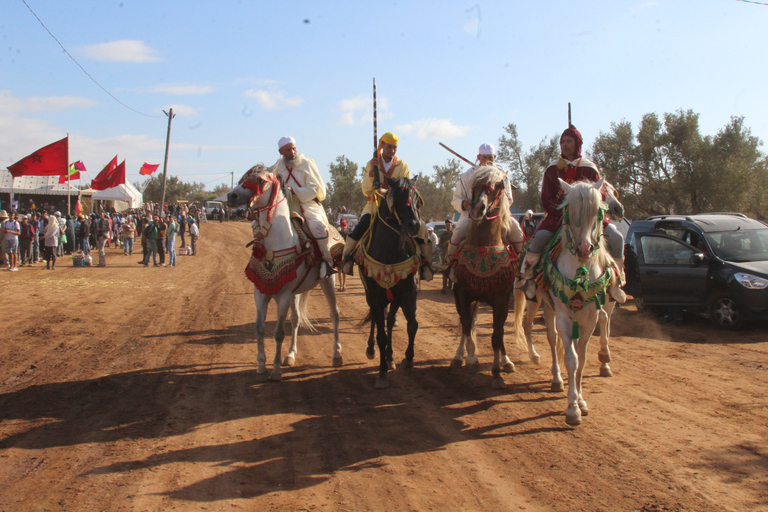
[131, 388]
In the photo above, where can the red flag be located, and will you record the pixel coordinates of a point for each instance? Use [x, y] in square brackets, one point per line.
[50, 160]
[111, 176]
[148, 168]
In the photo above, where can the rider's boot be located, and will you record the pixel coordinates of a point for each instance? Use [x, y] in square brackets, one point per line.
[427, 252]
[347, 260]
[326, 266]
[614, 288]
[526, 282]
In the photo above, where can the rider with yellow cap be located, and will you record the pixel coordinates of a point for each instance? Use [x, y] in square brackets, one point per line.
[387, 164]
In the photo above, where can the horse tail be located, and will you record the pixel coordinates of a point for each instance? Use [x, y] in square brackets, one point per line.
[303, 312]
[520, 304]
[366, 319]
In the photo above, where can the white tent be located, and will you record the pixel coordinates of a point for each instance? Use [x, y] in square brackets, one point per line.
[37, 185]
[125, 194]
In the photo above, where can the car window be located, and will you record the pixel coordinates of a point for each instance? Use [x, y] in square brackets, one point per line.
[740, 246]
[664, 251]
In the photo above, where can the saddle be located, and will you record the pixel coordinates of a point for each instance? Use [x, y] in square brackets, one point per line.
[269, 271]
[385, 275]
[482, 268]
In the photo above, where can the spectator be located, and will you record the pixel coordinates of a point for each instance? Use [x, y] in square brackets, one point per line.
[3, 256]
[11, 231]
[170, 241]
[26, 236]
[194, 234]
[84, 234]
[182, 229]
[129, 234]
[444, 243]
[162, 228]
[35, 240]
[104, 232]
[53, 231]
[151, 233]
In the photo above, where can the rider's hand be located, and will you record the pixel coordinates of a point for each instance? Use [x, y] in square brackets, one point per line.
[383, 191]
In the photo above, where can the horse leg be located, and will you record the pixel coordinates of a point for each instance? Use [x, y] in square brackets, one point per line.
[507, 366]
[329, 289]
[587, 327]
[283, 305]
[530, 316]
[391, 313]
[604, 355]
[524, 315]
[377, 317]
[500, 312]
[458, 358]
[290, 357]
[557, 385]
[565, 328]
[412, 326]
[370, 352]
[262, 304]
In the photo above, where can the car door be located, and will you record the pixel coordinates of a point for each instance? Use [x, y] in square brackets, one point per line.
[667, 272]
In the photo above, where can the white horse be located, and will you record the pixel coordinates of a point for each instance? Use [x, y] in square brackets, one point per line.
[525, 312]
[281, 258]
[576, 297]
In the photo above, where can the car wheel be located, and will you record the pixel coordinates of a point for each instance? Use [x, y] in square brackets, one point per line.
[725, 313]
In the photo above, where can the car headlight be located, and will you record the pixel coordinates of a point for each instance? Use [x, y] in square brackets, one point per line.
[750, 281]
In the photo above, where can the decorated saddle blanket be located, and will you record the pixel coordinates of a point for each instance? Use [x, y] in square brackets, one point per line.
[386, 275]
[483, 267]
[269, 271]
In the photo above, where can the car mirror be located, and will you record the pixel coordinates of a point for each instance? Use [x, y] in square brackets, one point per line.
[698, 258]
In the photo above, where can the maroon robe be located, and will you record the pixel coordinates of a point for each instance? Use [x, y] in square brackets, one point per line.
[552, 193]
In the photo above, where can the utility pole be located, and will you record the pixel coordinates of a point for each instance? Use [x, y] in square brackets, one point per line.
[165, 162]
[233, 180]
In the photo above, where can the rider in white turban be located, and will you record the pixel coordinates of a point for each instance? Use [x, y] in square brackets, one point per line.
[486, 155]
[302, 177]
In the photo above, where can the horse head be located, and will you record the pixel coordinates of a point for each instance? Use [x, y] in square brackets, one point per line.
[615, 208]
[488, 193]
[404, 202]
[257, 188]
[583, 208]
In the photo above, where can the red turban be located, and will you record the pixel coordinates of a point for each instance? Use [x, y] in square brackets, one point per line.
[573, 132]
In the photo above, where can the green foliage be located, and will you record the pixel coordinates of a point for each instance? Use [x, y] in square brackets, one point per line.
[344, 188]
[437, 190]
[174, 190]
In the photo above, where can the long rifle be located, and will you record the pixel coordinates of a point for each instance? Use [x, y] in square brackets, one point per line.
[569, 114]
[376, 178]
[455, 153]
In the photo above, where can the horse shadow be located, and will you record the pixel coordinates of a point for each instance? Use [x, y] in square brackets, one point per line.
[358, 425]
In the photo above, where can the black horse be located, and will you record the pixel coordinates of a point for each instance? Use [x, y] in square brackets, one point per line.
[389, 266]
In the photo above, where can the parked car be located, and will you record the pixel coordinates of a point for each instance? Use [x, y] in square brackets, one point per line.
[352, 220]
[716, 264]
[210, 206]
[437, 227]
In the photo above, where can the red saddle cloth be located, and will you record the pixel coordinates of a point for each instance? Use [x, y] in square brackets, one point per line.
[482, 268]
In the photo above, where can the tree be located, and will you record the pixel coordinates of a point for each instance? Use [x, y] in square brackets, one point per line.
[437, 190]
[174, 190]
[344, 188]
[526, 168]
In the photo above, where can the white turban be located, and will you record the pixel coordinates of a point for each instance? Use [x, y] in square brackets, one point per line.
[285, 141]
[486, 149]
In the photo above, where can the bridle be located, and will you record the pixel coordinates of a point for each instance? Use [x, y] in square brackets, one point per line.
[487, 188]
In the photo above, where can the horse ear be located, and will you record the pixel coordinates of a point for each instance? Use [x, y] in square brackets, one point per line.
[413, 180]
[564, 185]
[391, 181]
[599, 184]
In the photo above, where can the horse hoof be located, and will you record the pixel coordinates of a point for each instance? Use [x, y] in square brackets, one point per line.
[407, 364]
[536, 360]
[557, 387]
[603, 358]
[456, 363]
[573, 416]
[473, 367]
[338, 362]
[289, 361]
[498, 383]
[276, 376]
[370, 352]
[391, 366]
[508, 368]
[605, 371]
[382, 383]
[262, 377]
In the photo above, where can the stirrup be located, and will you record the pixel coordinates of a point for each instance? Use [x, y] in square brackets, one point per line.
[426, 273]
[529, 289]
[348, 265]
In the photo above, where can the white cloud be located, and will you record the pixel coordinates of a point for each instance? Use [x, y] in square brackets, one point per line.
[183, 89]
[183, 110]
[121, 51]
[9, 103]
[433, 129]
[272, 100]
[359, 110]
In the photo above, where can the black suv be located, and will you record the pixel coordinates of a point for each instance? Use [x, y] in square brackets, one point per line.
[713, 263]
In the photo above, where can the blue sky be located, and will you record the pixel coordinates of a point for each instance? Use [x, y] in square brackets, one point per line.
[241, 74]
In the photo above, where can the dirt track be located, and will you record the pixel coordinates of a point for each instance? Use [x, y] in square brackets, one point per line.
[131, 388]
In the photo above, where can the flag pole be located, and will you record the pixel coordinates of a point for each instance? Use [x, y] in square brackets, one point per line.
[165, 162]
[69, 180]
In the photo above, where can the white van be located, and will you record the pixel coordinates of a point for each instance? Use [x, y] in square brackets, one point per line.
[210, 206]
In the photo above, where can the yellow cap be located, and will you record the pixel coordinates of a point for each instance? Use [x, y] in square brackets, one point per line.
[390, 138]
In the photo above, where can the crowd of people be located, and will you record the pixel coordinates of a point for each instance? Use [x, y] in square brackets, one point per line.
[37, 237]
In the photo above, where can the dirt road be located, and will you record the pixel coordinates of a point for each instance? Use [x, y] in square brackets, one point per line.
[131, 388]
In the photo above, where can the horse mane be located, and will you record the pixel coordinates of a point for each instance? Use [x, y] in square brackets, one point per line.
[584, 203]
[492, 174]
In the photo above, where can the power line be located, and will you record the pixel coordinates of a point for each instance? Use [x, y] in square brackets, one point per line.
[752, 2]
[81, 67]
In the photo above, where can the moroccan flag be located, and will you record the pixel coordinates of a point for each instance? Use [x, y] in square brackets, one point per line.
[148, 168]
[50, 160]
[74, 172]
[111, 176]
